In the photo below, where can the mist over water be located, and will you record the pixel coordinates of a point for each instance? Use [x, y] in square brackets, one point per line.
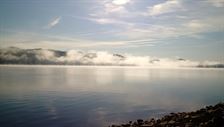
[15, 55]
[99, 96]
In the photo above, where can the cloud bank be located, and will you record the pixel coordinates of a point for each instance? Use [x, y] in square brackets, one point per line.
[15, 55]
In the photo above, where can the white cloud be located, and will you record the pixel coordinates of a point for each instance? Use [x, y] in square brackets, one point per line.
[110, 21]
[111, 8]
[115, 12]
[120, 2]
[195, 24]
[148, 28]
[210, 24]
[216, 3]
[166, 7]
[189, 28]
[54, 22]
[151, 32]
[105, 21]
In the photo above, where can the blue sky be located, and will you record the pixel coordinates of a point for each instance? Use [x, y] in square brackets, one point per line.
[184, 28]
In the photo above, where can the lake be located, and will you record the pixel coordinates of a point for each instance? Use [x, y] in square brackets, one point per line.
[98, 96]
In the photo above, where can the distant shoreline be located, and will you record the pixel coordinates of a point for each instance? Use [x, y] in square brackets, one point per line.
[106, 66]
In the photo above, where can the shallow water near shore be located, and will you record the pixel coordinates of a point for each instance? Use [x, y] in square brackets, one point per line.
[56, 96]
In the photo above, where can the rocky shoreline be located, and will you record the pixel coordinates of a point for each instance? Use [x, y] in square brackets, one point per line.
[210, 116]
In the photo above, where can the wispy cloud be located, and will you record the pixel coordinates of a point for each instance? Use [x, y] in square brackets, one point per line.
[123, 23]
[34, 40]
[111, 21]
[216, 3]
[188, 28]
[108, 8]
[114, 12]
[166, 7]
[113, 8]
[54, 22]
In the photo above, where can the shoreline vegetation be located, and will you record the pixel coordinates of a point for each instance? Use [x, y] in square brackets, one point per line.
[210, 116]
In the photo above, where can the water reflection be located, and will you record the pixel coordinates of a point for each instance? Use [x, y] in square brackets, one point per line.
[98, 96]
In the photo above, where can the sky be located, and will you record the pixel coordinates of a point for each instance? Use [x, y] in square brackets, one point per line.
[191, 29]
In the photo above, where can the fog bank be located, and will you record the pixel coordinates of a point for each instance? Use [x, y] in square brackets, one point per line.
[15, 55]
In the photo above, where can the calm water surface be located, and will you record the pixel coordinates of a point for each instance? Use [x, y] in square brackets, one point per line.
[65, 96]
